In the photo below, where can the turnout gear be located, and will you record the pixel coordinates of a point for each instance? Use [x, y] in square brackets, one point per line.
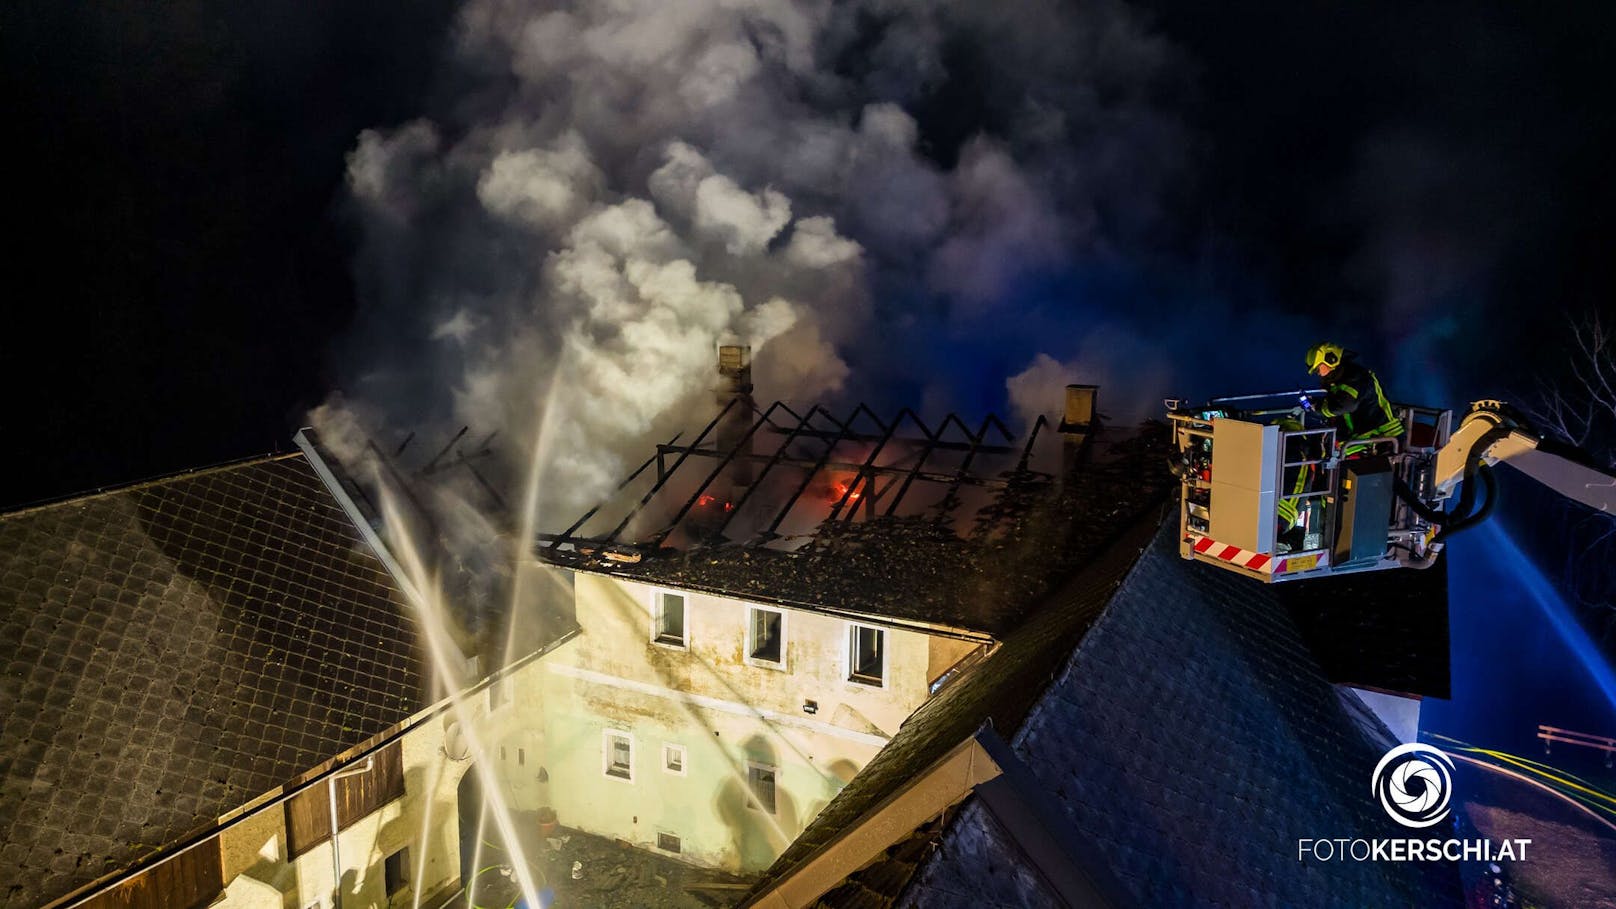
[1353, 396]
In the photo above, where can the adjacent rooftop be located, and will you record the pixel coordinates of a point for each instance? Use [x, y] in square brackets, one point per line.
[174, 649]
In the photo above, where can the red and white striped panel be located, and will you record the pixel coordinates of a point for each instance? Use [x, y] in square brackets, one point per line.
[1245, 558]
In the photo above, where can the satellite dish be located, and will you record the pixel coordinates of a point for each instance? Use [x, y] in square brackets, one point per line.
[454, 742]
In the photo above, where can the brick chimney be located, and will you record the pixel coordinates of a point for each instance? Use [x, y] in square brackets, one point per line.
[735, 384]
[1078, 423]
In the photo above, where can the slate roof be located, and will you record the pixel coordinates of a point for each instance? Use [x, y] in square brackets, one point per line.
[1194, 739]
[172, 650]
[1179, 721]
[1381, 630]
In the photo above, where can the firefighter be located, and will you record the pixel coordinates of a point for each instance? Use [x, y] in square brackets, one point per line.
[1353, 399]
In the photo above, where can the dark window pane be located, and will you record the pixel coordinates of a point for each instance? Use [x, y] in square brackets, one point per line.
[761, 780]
[671, 619]
[397, 870]
[767, 640]
[865, 647]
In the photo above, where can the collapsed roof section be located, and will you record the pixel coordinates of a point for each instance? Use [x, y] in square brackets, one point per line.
[943, 524]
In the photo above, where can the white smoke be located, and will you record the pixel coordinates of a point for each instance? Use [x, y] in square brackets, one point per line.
[620, 186]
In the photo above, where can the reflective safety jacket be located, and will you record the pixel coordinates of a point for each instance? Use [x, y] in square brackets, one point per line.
[1287, 507]
[1355, 401]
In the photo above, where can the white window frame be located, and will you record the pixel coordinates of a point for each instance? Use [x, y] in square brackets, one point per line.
[752, 801]
[750, 644]
[677, 841]
[656, 618]
[606, 737]
[684, 759]
[853, 629]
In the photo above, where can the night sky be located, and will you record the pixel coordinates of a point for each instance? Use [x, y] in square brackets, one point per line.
[181, 245]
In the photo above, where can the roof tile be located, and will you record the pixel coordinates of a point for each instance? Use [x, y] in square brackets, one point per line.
[174, 637]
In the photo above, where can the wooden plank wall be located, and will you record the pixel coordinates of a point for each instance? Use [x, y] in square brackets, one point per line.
[308, 814]
[188, 880]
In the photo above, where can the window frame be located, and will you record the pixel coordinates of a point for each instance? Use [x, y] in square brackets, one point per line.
[657, 593]
[684, 759]
[749, 645]
[753, 801]
[852, 673]
[663, 836]
[606, 742]
[402, 854]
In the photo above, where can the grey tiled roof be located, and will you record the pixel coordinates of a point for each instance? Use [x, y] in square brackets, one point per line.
[172, 650]
[1384, 630]
[1193, 738]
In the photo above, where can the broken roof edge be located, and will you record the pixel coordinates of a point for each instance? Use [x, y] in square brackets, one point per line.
[997, 693]
[87, 495]
[937, 629]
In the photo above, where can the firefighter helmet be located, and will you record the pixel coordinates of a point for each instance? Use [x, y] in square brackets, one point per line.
[1324, 354]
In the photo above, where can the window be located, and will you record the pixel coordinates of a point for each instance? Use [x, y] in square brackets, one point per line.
[766, 636]
[396, 871]
[669, 613]
[617, 755]
[498, 694]
[866, 654]
[667, 842]
[760, 779]
[673, 758]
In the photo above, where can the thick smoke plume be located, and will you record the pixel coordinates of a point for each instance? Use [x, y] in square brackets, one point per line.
[614, 188]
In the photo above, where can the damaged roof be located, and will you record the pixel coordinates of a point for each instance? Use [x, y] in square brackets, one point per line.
[174, 649]
[896, 519]
[1176, 719]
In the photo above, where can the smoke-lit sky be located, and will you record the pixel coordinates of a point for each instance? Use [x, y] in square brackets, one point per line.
[230, 210]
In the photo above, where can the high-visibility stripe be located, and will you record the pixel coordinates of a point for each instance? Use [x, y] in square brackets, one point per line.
[1245, 558]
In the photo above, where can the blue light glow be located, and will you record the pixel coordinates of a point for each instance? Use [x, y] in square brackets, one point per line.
[1554, 610]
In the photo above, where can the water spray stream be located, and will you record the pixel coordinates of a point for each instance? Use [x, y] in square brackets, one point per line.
[1553, 609]
[426, 831]
[527, 526]
[429, 615]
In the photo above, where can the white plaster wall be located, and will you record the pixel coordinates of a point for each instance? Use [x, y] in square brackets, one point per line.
[727, 714]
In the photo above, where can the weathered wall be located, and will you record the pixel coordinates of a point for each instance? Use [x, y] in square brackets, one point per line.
[425, 819]
[725, 712]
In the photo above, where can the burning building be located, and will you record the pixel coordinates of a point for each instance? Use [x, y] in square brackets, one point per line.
[799, 657]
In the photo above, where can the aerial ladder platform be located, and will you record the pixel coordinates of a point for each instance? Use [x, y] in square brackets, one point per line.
[1271, 491]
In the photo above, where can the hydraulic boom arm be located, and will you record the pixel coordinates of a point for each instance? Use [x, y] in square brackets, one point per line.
[1489, 435]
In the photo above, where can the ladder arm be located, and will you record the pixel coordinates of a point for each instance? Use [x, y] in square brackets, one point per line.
[1489, 435]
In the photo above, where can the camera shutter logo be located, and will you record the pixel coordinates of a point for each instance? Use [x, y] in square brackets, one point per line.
[1414, 783]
